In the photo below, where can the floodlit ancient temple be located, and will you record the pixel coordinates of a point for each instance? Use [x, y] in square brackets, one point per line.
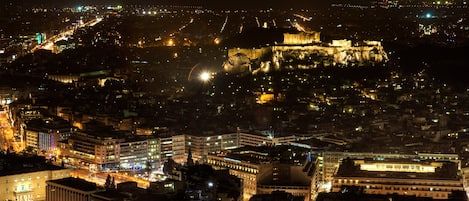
[305, 51]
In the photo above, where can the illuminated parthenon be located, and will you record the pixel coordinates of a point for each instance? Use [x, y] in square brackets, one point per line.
[304, 51]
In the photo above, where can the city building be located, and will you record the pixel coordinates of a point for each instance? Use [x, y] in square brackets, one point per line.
[265, 169]
[23, 178]
[100, 149]
[177, 146]
[331, 160]
[44, 135]
[138, 152]
[422, 178]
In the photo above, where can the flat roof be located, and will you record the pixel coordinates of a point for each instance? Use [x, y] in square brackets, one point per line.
[76, 183]
[18, 164]
[448, 170]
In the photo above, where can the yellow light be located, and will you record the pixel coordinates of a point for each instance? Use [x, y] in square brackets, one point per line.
[170, 42]
[205, 76]
[216, 41]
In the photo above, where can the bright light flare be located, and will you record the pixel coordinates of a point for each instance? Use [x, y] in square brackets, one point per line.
[205, 76]
[170, 42]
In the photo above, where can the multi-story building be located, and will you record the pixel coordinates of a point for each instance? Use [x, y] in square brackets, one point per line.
[24, 178]
[138, 152]
[422, 178]
[103, 149]
[98, 148]
[44, 134]
[264, 169]
[154, 152]
[178, 146]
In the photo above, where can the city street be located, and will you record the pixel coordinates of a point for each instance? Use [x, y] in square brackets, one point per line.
[49, 43]
[7, 139]
[100, 178]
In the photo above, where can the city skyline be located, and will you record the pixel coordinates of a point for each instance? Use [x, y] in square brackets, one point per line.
[246, 101]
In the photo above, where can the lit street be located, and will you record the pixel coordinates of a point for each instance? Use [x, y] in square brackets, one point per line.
[7, 138]
[100, 178]
[49, 43]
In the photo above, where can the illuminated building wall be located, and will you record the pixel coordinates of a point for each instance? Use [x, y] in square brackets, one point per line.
[153, 151]
[426, 178]
[31, 139]
[301, 38]
[247, 172]
[28, 186]
[251, 53]
[64, 78]
[178, 146]
[44, 135]
[331, 160]
[133, 154]
[100, 150]
[260, 175]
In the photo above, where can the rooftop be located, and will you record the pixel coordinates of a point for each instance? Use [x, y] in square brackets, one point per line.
[399, 169]
[76, 183]
[11, 164]
[266, 154]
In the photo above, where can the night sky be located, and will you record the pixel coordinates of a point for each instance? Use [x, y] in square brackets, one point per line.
[233, 4]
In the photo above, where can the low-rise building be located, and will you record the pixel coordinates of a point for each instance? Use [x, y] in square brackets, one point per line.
[421, 178]
[70, 189]
[23, 178]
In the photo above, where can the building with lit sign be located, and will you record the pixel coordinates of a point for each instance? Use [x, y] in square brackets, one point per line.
[44, 134]
[420, 178]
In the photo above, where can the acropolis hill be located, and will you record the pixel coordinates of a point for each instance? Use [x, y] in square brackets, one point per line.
[304, 51]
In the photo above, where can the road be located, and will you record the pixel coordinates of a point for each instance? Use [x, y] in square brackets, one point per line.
[7, 138]
[49, 43]
[100, 178]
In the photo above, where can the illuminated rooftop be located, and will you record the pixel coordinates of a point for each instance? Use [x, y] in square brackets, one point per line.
[399, 169]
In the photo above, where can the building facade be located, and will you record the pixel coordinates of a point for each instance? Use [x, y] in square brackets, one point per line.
[28, 184]
[420, 178]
